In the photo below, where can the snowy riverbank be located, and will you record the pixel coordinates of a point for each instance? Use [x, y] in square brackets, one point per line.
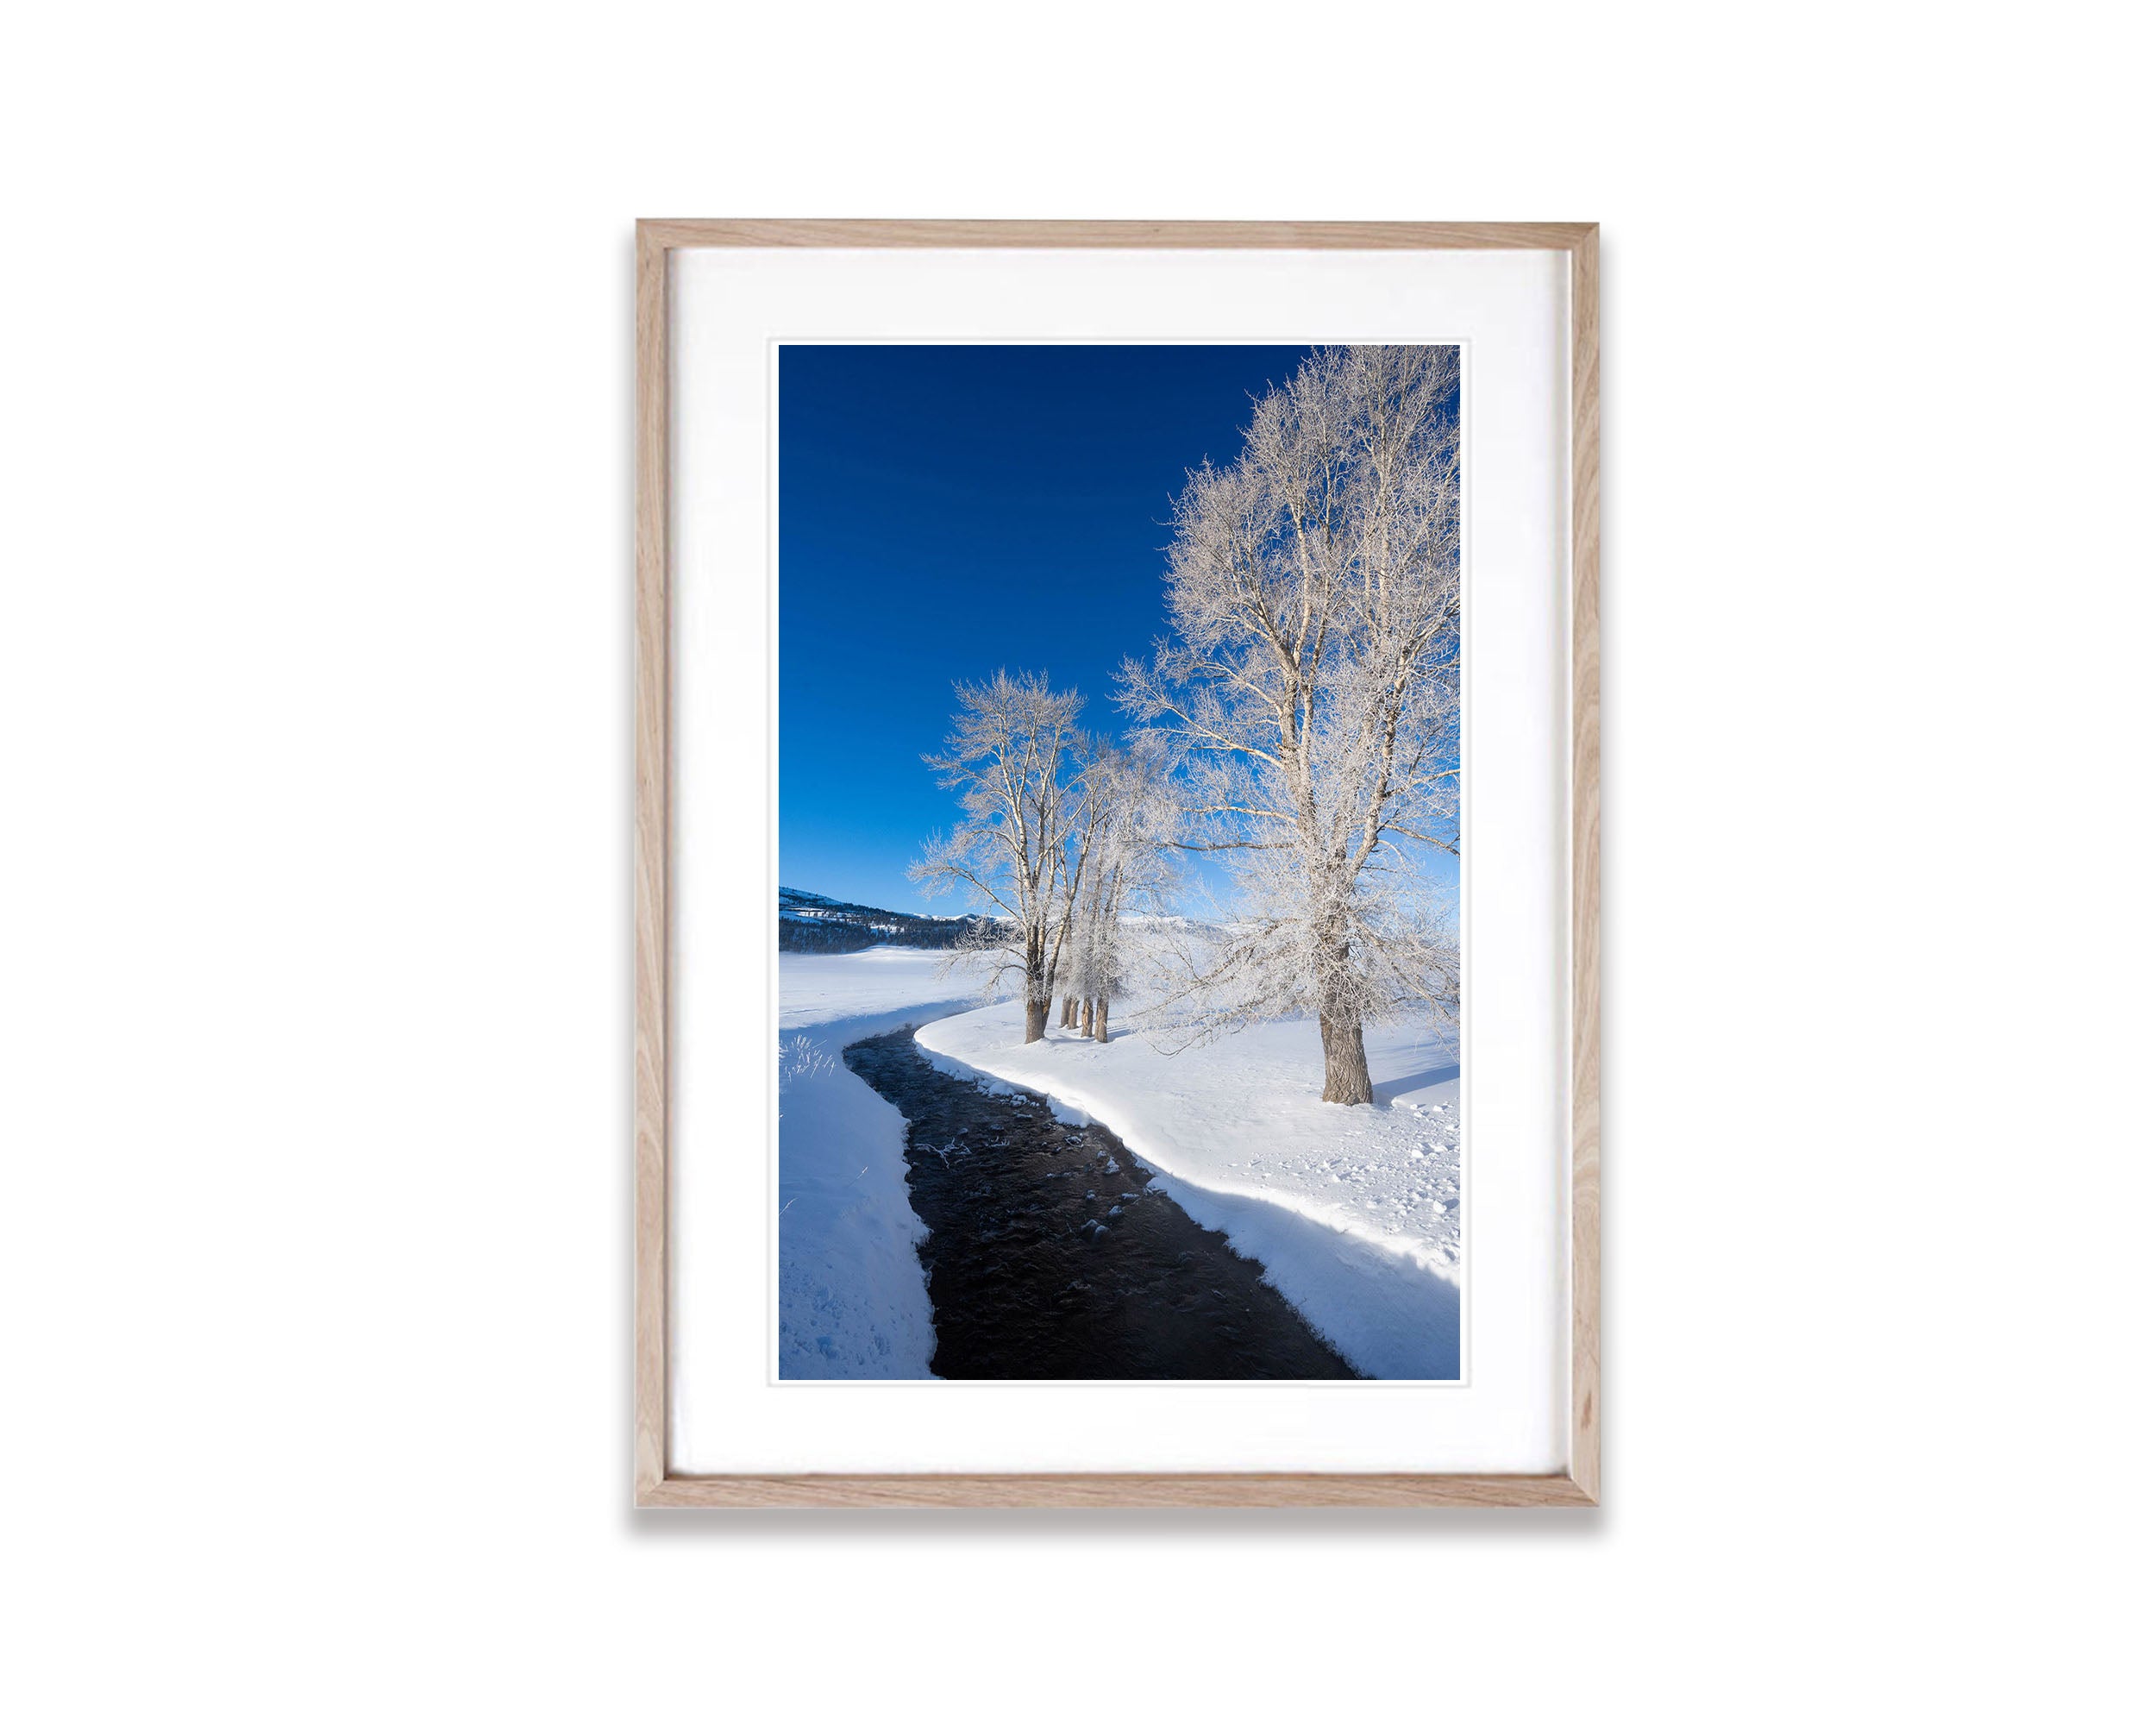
[1354, 1213]
[853, 1300]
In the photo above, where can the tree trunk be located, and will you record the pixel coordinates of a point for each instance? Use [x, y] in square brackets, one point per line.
[1035, 1017]
[1101, 1021]
[1347, 1068]
[1085, 1021]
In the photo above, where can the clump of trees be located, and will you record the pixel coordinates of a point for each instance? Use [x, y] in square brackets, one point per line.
[1062, 837]
[1301, 726]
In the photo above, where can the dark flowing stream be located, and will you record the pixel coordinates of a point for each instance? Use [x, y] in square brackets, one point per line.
[1050, 1254]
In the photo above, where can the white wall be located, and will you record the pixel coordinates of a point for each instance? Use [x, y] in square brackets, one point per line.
[314, 384]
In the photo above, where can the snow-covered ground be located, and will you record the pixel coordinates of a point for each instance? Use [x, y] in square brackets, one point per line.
[853, 1300]
[823, 987]
[1354, 1213]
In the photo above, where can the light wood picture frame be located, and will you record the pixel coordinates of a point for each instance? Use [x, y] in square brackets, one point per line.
[1579, 1481]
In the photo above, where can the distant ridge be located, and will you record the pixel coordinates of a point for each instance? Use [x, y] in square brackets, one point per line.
[809, 922]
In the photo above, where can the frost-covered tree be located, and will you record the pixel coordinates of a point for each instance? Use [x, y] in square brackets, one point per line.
[1311, 689]
[1089, 791]
[1129, 865]
[1015, 757]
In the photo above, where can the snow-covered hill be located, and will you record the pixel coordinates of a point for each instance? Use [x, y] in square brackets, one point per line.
[809, 922]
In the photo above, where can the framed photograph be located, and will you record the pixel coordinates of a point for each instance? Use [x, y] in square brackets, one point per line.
[1116, 835]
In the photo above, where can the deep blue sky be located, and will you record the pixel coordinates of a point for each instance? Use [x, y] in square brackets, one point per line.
[946, 511]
